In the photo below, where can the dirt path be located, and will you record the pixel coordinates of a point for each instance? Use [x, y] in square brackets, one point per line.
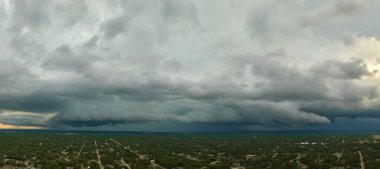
[97, 153]
[80, 151]
[361, 160]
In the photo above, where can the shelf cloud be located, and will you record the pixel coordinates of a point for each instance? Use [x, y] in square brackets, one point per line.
[117, 64]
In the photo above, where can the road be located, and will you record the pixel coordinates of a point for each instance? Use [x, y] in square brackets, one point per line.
[141, 156]
[80, 151]
[361, 160]
[97, 153]
[125, 147]
[155, 165]
[126, 164]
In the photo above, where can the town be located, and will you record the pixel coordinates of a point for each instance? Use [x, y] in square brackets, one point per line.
[188, 150]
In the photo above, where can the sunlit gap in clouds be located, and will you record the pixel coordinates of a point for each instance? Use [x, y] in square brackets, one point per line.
[7, 126]
[23, 120]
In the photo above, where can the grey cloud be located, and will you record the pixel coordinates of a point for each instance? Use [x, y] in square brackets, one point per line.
[259, 24]
[10, 71]
[333, 11]
[173, 10]
[286, 83]
[263, 26]
[25, 45]
[348, 39]
[350, 7]
[356, 92]
[71, 12]
[38, 14]
[92, 42]
[29, 13]
[353, 69]
[64, 58]
[114, 26]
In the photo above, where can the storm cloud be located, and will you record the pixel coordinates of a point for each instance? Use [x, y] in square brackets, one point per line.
[79, 64]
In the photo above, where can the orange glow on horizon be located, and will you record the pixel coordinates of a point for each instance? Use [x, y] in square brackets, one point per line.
[7, 126]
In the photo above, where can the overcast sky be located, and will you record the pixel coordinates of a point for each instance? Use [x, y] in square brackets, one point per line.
[176, 65]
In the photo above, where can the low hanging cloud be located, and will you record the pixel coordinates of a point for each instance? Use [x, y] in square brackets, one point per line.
[111, 63]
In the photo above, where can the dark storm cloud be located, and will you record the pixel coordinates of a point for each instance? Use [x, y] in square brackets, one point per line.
[88, 123]
[34, 103]
[111, 63]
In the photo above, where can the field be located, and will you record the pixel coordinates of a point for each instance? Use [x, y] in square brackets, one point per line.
[50, 149]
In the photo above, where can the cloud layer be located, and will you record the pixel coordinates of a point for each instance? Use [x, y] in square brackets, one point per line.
[241, 63]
